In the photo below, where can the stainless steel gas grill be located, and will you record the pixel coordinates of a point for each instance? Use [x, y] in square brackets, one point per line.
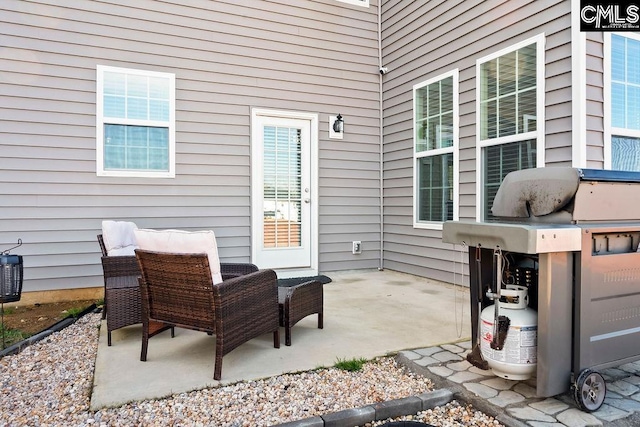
[569, 237]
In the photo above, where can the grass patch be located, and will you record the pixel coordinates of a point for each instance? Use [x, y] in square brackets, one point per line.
[351, 365]
[9, 337]
[75, 312]
[8, 310]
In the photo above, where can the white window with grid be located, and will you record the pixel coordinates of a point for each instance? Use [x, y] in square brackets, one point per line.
[135, 123]
[510, 117]
[435, 135]
[622, 101]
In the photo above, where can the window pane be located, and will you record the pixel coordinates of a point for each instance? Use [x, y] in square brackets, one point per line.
[489, 123]
[617, 105]
[625, 153]
[158, 110]
[508, 94]
[114, 106]
[137, 86]
[136, 147]
[159, 88]
[435, 188]
[434, 116]
[633, 107]
[507, 114]
[488, 80]
[501, 159]
[137, 109]
[527, 67]
[527, 112]
[507, 74]
[633, 61]
[114, 83]
[625, 82]
[617, 57]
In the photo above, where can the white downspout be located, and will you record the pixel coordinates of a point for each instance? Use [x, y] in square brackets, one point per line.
[381, 266]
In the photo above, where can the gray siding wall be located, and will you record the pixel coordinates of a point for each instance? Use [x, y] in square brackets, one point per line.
[422, 40]
[595, 100]
[228, 56]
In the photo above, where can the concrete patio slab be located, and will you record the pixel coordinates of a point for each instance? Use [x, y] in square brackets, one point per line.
[366, 314]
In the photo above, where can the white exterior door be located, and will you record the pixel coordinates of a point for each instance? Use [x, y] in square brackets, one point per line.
[284, 230]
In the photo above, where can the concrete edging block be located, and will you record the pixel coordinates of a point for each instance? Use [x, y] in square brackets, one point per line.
[435, 398]
[350, 417]
[397, 407]
[305, 422]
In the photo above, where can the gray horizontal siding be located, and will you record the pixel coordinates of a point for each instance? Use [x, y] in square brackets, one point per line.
[318, 56]
[424, 39]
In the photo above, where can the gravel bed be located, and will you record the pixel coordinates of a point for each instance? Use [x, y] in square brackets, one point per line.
[49, 384]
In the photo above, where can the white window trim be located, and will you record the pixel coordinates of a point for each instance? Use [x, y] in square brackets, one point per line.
[100, 121]
[363, 3]
[437, 225]
[538, 134]
[609, 131]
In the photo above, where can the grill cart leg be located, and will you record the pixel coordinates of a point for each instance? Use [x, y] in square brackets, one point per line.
[589, 390]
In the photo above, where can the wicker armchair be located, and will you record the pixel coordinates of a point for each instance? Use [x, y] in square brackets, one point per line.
[178, 289]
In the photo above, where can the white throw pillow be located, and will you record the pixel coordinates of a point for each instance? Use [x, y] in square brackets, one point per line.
[182, 242]
[118, 237]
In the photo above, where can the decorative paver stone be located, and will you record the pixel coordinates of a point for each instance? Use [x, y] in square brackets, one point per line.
[507, 397]
[628, 405]
[485, 373]
[465, 344]
[459, 366]
[446, 356]
[543, 424]
[425, 361]
[460, 377]
[411, 355]
[452, 348]
[428, 351]
[576, 418]
[481, 390]
[525, 390]
[635, 380]
[622, 387]
[613, 374]
[550, 406]
[529, 414]
[499, 383]
[441, 371]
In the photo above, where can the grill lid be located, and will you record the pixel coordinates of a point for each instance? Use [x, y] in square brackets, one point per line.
[568, 195]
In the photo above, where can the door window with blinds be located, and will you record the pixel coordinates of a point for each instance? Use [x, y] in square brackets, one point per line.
[282, 177]
[624, 61]
[510, 115]
[435, 150]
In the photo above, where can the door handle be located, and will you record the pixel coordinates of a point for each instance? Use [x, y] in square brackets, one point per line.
[307, 200]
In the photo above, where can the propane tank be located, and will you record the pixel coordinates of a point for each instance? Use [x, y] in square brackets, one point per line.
[518, 358]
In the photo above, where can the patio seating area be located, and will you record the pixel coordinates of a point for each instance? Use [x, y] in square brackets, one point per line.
[366, 314]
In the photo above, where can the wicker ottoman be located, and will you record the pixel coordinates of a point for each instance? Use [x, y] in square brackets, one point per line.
[298, 302]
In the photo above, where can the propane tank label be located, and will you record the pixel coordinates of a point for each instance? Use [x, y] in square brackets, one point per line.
[520, 346]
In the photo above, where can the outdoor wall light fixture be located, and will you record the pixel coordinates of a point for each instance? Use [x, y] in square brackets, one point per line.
[336, 127]
[338, 124]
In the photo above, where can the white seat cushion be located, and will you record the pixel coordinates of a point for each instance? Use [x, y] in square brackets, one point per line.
[182, 242]
[118, 237]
